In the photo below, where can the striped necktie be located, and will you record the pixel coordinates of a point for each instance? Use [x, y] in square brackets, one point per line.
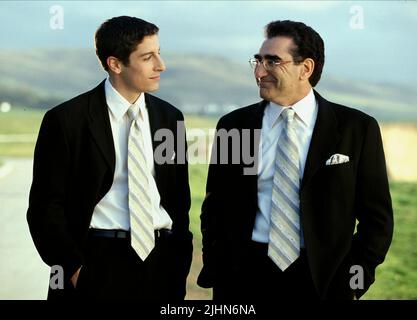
[141, 221]
[284, 234]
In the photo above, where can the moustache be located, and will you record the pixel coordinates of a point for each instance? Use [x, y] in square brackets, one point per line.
[259, 80]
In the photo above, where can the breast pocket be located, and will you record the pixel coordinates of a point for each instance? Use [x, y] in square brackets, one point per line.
[333, 194]
[339, 173]
[339, 165]
[339, 180]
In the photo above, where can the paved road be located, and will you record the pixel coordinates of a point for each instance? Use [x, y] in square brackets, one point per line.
[23, 275]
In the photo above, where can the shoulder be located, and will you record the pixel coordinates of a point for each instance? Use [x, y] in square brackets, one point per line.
[240, 115]
[164, 106]
[345, 113]
[76, 105]
[347, 116]
[73, 114]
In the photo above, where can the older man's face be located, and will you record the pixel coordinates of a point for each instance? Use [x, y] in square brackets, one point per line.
[282, 80]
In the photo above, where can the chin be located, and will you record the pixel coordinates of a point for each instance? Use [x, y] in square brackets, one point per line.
[152, 89]
[264, 95]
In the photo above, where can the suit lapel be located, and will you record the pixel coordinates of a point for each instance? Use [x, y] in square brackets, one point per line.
[254, 123]
[100, 125]
[156, 122]
[325, 138]
[258, 113]
[100, 128]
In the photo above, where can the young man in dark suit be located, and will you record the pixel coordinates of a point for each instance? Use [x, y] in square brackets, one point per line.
[287, 230]
[102, 207]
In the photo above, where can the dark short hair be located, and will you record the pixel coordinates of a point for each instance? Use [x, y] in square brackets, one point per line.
[308, 43]
[119, 37]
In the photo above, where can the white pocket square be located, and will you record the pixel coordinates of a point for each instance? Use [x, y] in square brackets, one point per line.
[173, 155]
[337, 159]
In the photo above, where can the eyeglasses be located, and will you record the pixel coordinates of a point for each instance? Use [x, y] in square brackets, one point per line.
[268, 64]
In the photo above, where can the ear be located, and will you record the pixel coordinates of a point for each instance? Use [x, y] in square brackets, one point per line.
[307, 70]
[114, 64]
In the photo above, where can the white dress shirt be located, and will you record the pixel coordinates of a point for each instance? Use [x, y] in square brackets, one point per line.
[112, 212]
[272, 124]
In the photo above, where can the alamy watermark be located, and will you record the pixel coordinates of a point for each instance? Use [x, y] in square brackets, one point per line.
[56, 21]
[56, 281]
[234, 146]
[357, 280]
[357, 21]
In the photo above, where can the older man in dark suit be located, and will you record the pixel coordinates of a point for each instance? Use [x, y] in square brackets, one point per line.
[288, 230]
[102, 207]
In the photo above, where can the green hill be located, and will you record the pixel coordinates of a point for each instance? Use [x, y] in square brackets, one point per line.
[41, 78]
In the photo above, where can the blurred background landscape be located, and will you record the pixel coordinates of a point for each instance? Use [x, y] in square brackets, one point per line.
[370, 65]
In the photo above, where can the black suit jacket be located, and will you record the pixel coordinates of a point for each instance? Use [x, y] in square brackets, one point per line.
[74, 165]
[332, 199]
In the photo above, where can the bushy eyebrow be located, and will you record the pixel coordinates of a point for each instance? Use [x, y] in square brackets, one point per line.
[267, 56]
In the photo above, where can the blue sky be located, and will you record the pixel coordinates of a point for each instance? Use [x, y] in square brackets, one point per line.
[370, 40]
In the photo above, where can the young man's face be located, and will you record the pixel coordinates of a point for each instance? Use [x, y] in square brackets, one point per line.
[282, 80]
[142, 74]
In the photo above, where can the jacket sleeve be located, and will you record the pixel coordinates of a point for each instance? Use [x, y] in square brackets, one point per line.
[182, 235]
[373, 207]
[210, 211]
[46, 214]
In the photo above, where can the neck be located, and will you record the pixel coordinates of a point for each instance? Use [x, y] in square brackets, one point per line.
[118, 84]
[292, 99]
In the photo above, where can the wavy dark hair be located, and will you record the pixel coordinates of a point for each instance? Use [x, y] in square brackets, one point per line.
[119, 36]
[308, 43]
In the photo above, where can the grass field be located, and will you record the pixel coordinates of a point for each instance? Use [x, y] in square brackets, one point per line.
[396, 278]
[19, 122]
[27, 122]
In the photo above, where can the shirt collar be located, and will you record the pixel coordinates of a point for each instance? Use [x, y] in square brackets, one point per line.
[304, 109]
[273, 111]
[118, 105]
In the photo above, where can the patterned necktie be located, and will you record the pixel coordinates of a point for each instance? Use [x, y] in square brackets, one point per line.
[284, 234]
[141, 221]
